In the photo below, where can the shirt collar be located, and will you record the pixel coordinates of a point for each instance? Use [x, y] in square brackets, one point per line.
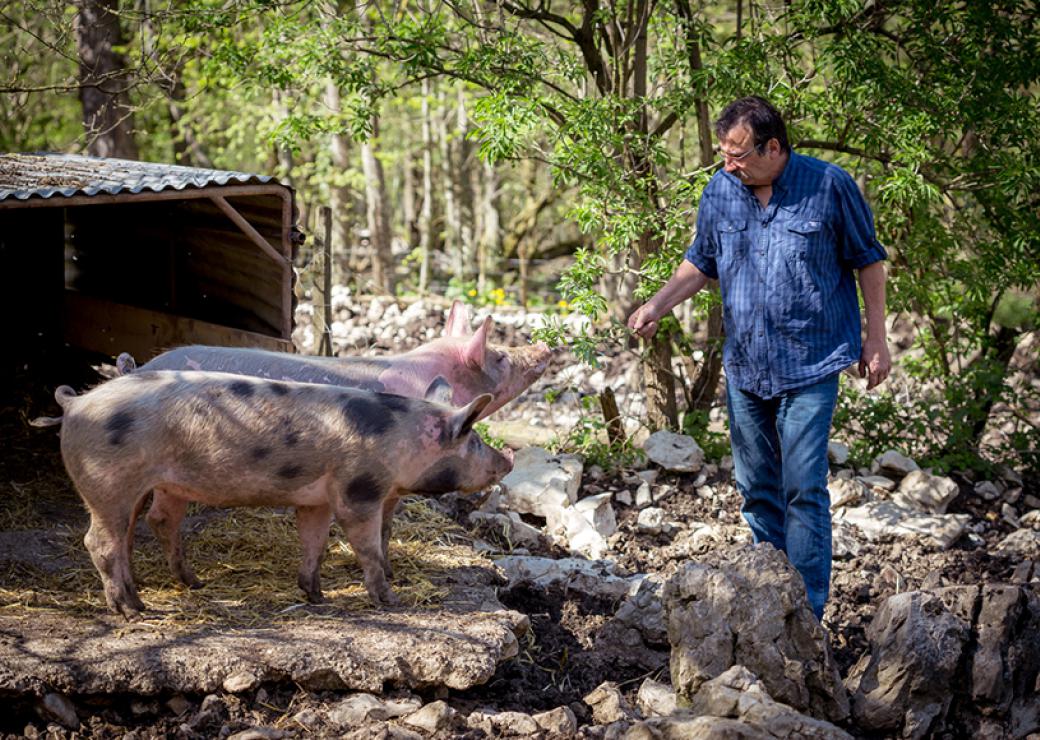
[787, 177]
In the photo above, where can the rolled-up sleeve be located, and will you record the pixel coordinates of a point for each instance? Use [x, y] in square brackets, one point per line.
[701, 252]
[857, 241]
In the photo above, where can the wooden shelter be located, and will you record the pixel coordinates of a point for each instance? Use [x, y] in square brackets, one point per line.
[115, 256]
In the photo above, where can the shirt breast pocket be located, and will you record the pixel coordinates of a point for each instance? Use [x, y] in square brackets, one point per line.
[732, 241]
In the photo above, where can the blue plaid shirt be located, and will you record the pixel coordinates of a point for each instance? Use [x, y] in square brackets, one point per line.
[786, 273]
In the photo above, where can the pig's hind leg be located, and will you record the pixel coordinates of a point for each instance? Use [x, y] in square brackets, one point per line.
[108, 542]
[312, 522]
[164, 518]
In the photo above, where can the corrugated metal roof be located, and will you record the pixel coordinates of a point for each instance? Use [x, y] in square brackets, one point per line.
[46, 174]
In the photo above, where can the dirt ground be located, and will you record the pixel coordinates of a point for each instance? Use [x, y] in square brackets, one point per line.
[574, 643]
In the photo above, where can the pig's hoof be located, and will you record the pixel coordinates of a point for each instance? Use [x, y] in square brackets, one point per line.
[388, 599]
[315, 597]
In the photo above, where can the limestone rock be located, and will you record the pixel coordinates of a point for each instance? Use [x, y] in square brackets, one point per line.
[925, 492]
[675, 452]
[357, 709]
[598, 511]
[644, 612]
[651, 520]
[656, 699]
[59, 708]
[877, 481]
[596, 578]
[837, 453]
[735, 705]
[608, 704]
[431, 718]
[503, 724]
[846, 492]
[540, 481]
[747, 606]
[903, 683]
[893, 463]
[559, 722]
[879, 520]
[1023, 543]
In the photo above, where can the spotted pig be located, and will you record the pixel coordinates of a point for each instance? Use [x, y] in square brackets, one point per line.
[229, 440]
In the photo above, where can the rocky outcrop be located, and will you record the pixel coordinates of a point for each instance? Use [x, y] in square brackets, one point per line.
[747, 606]
[964, 656]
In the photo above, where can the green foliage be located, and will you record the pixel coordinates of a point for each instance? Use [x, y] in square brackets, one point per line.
[695, 424]
[588, 438]
[484, 432]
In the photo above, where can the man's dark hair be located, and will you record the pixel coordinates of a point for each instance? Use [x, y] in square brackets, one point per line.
[758, 115]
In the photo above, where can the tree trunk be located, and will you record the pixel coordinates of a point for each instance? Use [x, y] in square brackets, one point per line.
[426, 214]
[490, 243]
[378, 217]
[107, 117]
[465, 174]
[450, 189]
[341, 199]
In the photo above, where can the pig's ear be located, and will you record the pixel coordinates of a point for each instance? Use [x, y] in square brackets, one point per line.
[439, 391]
[458, 321]
[463, 419]
[475, 349]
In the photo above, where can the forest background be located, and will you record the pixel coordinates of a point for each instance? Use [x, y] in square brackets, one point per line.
[459, 142]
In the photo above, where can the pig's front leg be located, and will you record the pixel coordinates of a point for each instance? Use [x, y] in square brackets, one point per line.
[164, 518]
[312, 522]
[362, 527]
[390, 506]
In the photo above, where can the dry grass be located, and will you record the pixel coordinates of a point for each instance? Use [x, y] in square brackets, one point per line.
[248, 560]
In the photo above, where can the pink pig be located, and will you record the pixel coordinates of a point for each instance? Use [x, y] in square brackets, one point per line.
[228, 440]
[453, 369]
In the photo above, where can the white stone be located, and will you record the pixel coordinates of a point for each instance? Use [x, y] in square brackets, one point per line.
[431, 718]
[846, 492]
[987, 490]
[892, 462]
[515, 530]
[598, 511]
[1009, 515]
[650, 476]
[651, 520]
[241, 681]
[623, 497]
[503, 724]
[656, 699]
[607, 703]
[1030, 519]
[676, 452]
[559, 722]
[592, 577]
[1023, 543]
[877, 481]
[883, 519]
[643, 495]
[59, 707]
[925, 492]
[837, 453]
[539, 481]
[357, 709]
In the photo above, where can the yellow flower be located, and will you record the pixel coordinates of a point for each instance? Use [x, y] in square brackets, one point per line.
[472, 293]
[561, 304]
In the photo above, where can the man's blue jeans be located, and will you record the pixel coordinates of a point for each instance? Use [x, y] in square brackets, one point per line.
[780, 466]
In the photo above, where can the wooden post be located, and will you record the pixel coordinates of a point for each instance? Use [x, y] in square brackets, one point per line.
[608, 404]
[325, 346]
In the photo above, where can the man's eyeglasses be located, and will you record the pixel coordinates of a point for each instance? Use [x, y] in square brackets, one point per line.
[737, 157]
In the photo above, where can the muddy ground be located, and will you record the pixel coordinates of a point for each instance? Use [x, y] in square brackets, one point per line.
[573, 644]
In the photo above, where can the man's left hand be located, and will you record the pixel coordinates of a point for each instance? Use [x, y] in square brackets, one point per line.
[875, 363]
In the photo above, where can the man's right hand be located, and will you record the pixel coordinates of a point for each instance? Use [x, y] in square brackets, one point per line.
[643, 321]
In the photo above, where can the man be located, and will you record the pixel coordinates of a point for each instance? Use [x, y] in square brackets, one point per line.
[783, 233]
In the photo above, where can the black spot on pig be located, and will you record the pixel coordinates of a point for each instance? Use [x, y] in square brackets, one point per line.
[290, 470]
[118, 426]
[279, 389]
[369, 417]
[291, 438]
[242, 389]
[363, 489]
[394, 403]
[259, 453]
[441, 477]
